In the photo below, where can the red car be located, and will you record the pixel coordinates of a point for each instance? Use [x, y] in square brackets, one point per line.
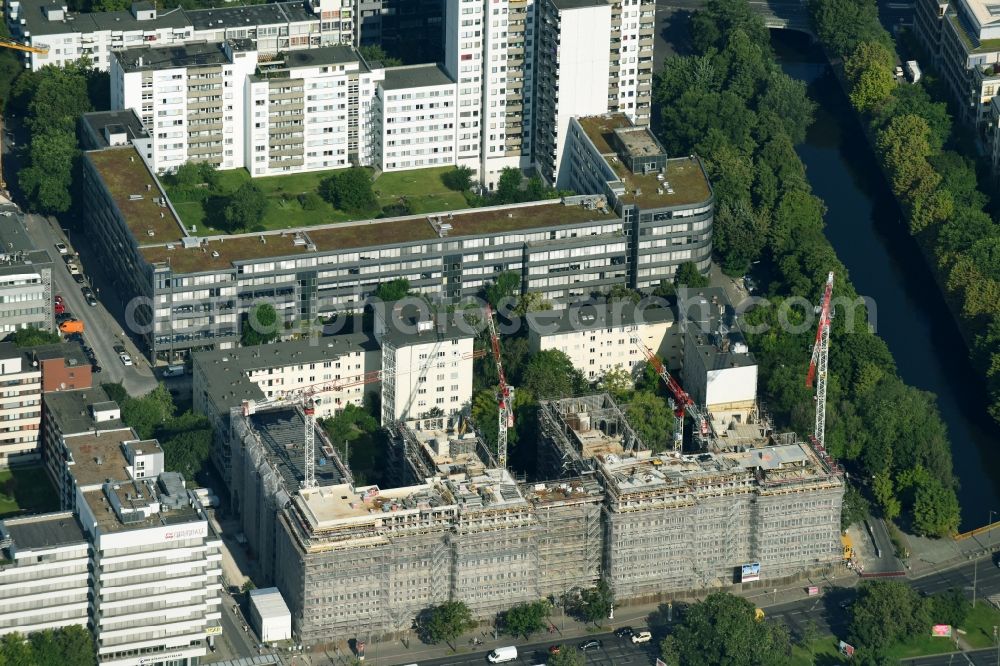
[59, 306]
[554, 649]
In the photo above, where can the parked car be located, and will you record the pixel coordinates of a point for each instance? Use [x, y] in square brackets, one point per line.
[71, 326]
[95, 368]
[642, 637]
[592, 644]
[79, 278]
[69, 259]
[502, 654]
[58, 306]
[119, 349]
[126, 360]
[624, 632]
[63, 316]
[75, 337]
[61, 248]
[88, 294]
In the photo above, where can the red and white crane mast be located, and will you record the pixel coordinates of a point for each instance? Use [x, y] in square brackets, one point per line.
[820, 360]
[505, 414]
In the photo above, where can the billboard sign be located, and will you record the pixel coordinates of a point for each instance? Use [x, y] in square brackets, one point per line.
[941, 630]
[750, 572]
[846, 649]
[813, 590]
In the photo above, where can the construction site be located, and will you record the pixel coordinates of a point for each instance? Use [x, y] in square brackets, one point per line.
[721, 509]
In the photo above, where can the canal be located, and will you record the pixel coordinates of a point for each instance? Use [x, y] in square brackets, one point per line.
[864, 224]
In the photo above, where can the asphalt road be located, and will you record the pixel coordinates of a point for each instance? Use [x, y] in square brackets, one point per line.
[613, 652]
[988, 657]
[101, 330]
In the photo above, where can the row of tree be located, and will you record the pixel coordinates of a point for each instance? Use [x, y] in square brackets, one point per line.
[732, 104]
[186, 438]
[936, 186]
[66, 646]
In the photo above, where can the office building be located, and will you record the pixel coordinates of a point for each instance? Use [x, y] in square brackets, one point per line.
[564, 249]
[611, 156]
[273, 27]
[25, 279]
[20, 406]
[64, 366]
[44, 577]
[601, 337]
[963, 40]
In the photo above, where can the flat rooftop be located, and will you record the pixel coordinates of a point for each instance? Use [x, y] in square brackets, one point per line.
[588, 316]
[326, 55]
[330, 506]
[227, 371]
[449, 452]
[269, 603]
[37, 24]
[272, 13]
[17, 250]
[136, 192]
[71, 352]
[407, 326]
[99, 457]
[222, 252]
[683, 184]
[415, 76]
[50, 530]
[71, 410]
[778, 464]
[145, 58]
[711, 321]
[108, 522]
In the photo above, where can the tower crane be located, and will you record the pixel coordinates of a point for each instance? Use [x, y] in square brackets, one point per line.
[505, 415]
[819, 362]
[304, 397]
[680, 400]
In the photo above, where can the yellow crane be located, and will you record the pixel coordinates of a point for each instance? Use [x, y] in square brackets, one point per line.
[8, 43]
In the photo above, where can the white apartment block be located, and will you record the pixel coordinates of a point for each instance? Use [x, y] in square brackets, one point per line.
[157, 568]
[25, 279]
[311, 110]
[426, 364]
[415, 117]
[189, 98]
[273, 27]
[44, 575]
[603, 337]
[20, 406]
[304, 110]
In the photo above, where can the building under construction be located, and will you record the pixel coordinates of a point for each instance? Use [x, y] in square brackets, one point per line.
[678, 522]
[357, 562]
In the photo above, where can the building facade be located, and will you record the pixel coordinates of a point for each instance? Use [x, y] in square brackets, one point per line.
[20, 406]
[192, 290]
[25, 279]
[415, 114]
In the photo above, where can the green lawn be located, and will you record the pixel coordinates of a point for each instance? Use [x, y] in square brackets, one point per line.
[422, 188]
[920, 646]
[26, 490]
[979, 625]
[821, 652]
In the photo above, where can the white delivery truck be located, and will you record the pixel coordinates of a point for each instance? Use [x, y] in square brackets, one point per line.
[502, 655]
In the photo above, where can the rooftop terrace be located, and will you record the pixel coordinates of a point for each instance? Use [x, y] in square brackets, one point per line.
[135, 192]
[684, 182]
[220, 252]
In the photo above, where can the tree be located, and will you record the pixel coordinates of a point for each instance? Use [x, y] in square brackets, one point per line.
[393, 290]
[144, 414]
[787, 100]
[187, 444]
[531, 301]
[618, 383]
[739, 236]
[935, 509]
[566, 656]
[48, 179]
[31, 337]
[260, 325]
[651, 419]
[949, 607]
[506, 285]
[550, 373]
[458, 179]
[245, 208]
[885, 612]
[688, 275]
[446, 622]
[720, 18]
[508, 186]
[374, 53]
[723, 629]
[596, 603]
[854, 509]
[350, 190]
[526, 619]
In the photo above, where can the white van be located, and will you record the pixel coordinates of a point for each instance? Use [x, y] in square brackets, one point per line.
[502, 654]
[173, 371]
